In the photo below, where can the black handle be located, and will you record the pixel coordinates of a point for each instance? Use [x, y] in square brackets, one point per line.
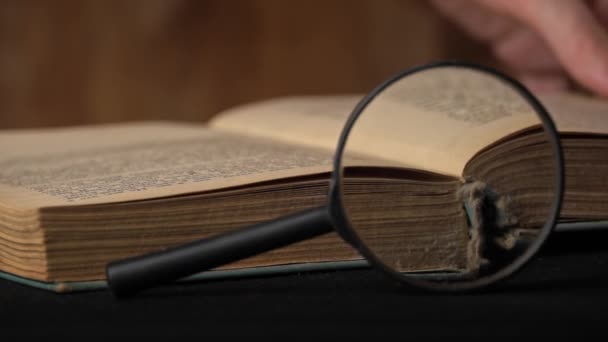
[128, 276]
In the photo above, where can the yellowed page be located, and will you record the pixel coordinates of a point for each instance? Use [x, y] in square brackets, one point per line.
[410, 123]
[109, 163]
[308, 120]
[577, 113]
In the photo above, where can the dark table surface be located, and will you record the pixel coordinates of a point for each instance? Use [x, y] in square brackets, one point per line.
[563, 292]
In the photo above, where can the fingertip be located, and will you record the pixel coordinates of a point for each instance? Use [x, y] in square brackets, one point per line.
[598, 78]
[589, 68]
[542, 83]
[578, 40]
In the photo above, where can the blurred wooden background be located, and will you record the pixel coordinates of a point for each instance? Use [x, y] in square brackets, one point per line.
[74, 62]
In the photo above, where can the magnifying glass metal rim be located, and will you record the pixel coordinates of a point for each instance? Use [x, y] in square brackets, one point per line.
[340, 218]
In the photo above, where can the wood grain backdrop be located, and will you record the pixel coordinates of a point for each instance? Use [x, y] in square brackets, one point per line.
[73, 62]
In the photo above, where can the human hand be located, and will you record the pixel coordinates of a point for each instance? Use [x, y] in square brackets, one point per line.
[546, 44]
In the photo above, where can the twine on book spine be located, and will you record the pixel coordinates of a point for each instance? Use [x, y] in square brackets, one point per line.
[490, 222]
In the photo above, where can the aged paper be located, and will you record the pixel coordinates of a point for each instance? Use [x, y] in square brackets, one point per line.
[429, 121]
[307, 120]
[139, 161]
[577, 113]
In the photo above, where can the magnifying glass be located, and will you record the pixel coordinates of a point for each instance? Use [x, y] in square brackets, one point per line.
[466, 187]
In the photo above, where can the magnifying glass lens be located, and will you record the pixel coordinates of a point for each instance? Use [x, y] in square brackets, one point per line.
[458, 172]
[446, 177]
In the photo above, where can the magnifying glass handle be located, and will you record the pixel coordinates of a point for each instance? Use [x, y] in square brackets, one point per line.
[128, 276]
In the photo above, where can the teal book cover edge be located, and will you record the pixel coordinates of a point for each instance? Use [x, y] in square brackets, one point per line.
[81, 286]
[580, 226]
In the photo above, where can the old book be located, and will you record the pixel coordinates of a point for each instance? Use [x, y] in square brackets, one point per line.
[74, 198]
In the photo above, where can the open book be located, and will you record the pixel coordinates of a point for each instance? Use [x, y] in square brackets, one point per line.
[72, 199]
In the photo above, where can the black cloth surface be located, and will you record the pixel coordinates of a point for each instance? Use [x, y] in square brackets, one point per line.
[564, 292]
